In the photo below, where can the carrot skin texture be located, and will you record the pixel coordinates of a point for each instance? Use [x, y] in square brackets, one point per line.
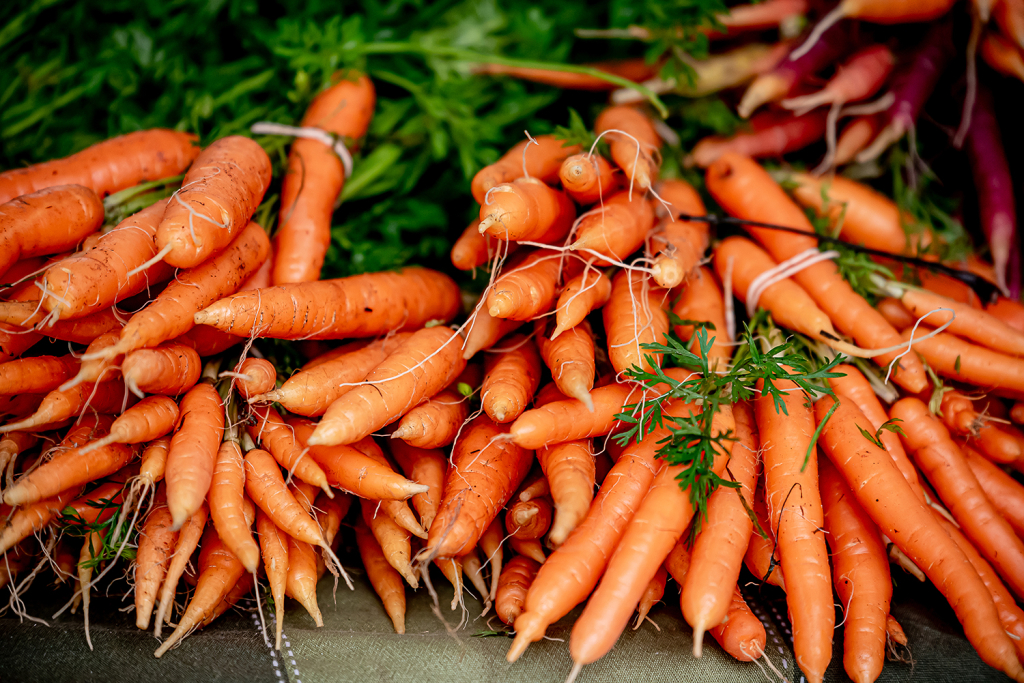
[571, 360]
[314, 179]
[218, 196]
[266, 488]
[56, 406]
[511, 380]
[582, 294]
[38, 375]
[193, 452]
[278, 438]
[679, 244]
[977, 365]
[483, 475]
[888, 499]
[426, 467]
[274, 550]
[337, 309]
[472, 249]
[302, 577]
[528, 289]
[774, 134]
[169, 369]
[188, 538]
[156, 543]
[702, 300]
[529, 520]
[1006, 494]
[633, 155]
[28, 519]
[516, 577]
[526, 209]
[587, 178]
[615, 229]
[108, 166]
[386, 582]
[227, 491]
[570, 469]
[258, 377]
[394, 541]
[634, 316]
[434, 423]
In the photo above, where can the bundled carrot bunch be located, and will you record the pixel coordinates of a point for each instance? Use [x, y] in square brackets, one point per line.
[603, 353]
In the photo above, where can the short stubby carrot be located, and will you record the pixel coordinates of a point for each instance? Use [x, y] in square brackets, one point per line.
[484, 473]
[434, 423]
[193, 452]
[701, 300]
[541, 160]
[315, 177]
[634, 147]
[217, 198]
[571, 360]
[357, 306]
[587, 178]
[528, 288]
[515, 580]
[582, 294]
[742, 635]
[529, 520]
[512, 377]
[612, 231]
[652, 595]
[49, 221]
[169, 369]
[98, 278]
[678, 244]
[633, 317]
[108, 166]
[426, 363]
[526, 209]
[570, 469]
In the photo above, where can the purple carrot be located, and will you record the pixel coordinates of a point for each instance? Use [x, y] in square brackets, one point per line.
[912, 86]
[995, 191]
[780, 81]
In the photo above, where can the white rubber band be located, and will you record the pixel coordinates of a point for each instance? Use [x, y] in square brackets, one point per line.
[804, 259]
[319, 134]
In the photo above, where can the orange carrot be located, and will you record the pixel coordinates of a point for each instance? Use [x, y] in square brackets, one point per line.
[634, 316]
[193, 452]
[582, 294]
[571, 361]
[398, 510]
[679, 244]
[302, 577]
[965, 321]
[855, 138]
[653, 594]
[436, 422]
[14, 443]
[28, 519]
[896, 313]
[150, 419]
[529, 520]
[169, 369]
[615, 229]
[483, 475]
[570, 471]
[742, 635]
[515, 580]
[227, 493]
[885, 495]
[473, 249]
[1009, 311]
[255, 376]
[1009, 16]
[357, 306]
[701, 301]
[217, 198]
[39, 375]
[425, 467]
[386, 582]
[952, 357]
[634, 154]
[274, 550]
[485, 330]
[156, 541]
[491, 550]
[774, 134]
[530, 548]
[1002, 55]
[188, 539]
[279, 439]
[528, 289]
[633, 69]
[587, 178]
[1006, 494]
[541, 161]
[526, 209]
[426, 363]
[267, 489]
[312, 390]
[1000, 443]
[513, 374]
[394, 541]
[315, 177]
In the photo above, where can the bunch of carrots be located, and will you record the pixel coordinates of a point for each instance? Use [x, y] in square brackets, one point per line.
[591, 425]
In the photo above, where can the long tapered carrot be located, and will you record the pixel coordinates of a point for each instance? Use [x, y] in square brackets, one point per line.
[634, 147]
[356, 306]
[314, 179]
[652, 595]
[946, 468]
[394, 541]
[274, 550]
[702, 301]
[98, 278]
[26, 316]
[572, 571]
[217, 198]
[152, 418]
[526, 209]
[28, 519]
[632, 69]
[678, 244]
[426, 467]
[719, 548]
[774, 134]
[511, 379]
[528, 289]
[483, 475]
[570, 469]
[515, 580]
[965, 321]
[193, 452]
[885, 495]
[227, 491]
[541, 161]
[188, 538]
[302, 577]
[792, 487]
[38, 375]
[108, 166]
[582, 294]
[397, 510]
[270, 430]
[746, 190]
[633, 317]
[170, 369]
[266, 488]
[386, 582]
[156, 543]
[570, 358]
[1006, 494]
[421, 367]
[312, 390]
[953, 357]
[615, 229]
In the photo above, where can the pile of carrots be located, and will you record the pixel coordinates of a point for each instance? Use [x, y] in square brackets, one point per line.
[480, 440]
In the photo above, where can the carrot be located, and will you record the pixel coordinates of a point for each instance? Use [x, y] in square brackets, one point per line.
[484, 330]
[946, 468]
[209, 342]
[28, 519]
[854, 139]
[102, 276]
[227, 492]
[647, 540]
[219, 571]
[528, 547]
[426, 467]
[418, 369]
[169, 369]
[535, 485]
[887, 498]
[473, 249]
[588, 178]
[436, 422]
[39, 375]
[452, 570]
[14, 443]
[386, 582]
[526, 209]
[792, 485]
[575, 567]
[515, 580]
[329, 514]
[528, 289]
[725, 532]
[266, 487]
[633, 69]
[952, 357]
[529, 520]
[1002, 55]
[1009, 311]
[15, 562]
[765, 15]
[491, 550]
[653, 594]
[48, 221]
[513, 374]
[279, 439]
[193, 452]
[679, 244]
[151, 419]
[394, 541]
[274, 550]
[896, 313]
[398, 510]
[484, 473]
[774, 134]
[188, 538]
[615, 229]
[1004, 444]
[701, 300]
[312, 390]
[742, 635]
[217, 198]
[570, 471]
[1005, 493]
[1009, 16]
[745, 190]
[861, 576]
[632, 317]
[582, 294]
[171, 313]
[315, 177]
[255, 376]
[541, 161]
[350, 470]
[357, 306]
[302, 577]
[634, 154]
[965, 321]
[156, 541]
[858, 78]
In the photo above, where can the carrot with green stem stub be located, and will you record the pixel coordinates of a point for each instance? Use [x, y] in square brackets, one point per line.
[277, 437]
[511, 379]
[885, 495]
[571, 360]
[193, 451]
[540, 157]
